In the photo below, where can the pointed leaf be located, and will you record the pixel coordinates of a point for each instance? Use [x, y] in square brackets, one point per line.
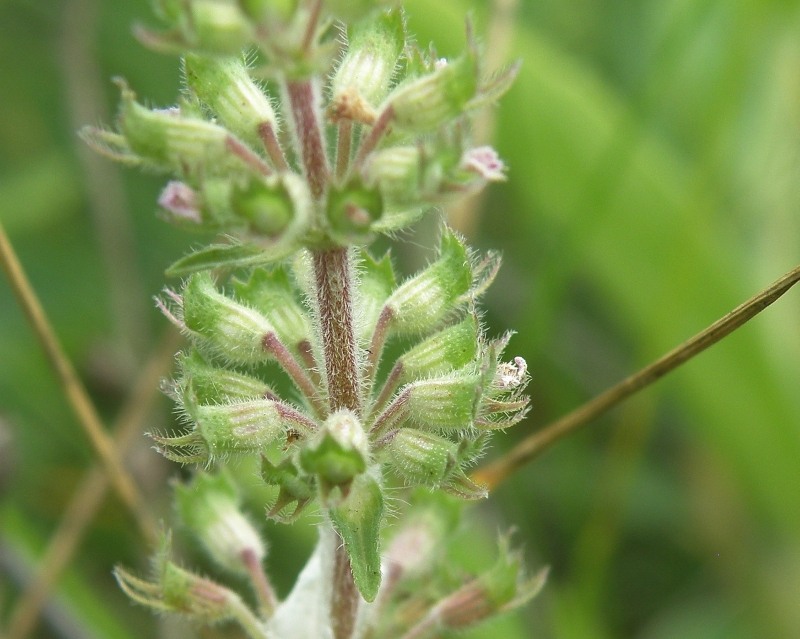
[225, 256]
[357, 519]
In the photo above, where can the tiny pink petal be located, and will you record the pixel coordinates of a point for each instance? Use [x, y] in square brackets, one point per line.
[180, 200]
[484, 161]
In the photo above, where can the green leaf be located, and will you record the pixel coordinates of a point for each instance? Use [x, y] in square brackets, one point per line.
[224, 256]
[357, 519]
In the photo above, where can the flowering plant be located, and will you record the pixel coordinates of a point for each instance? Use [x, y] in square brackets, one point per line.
[305, 131]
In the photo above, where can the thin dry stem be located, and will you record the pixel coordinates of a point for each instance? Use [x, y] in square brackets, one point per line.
[89, 495]
[75, 392]
[534, 445]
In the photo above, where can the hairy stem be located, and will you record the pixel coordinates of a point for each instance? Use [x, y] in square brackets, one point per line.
[334, 282]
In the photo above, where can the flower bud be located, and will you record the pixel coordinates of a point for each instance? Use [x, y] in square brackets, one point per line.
[352, 210]
[423, 104]
[216, 26]
[412, 549]
[264, 206]
[449, 349]
[484, 162]
[225, 86]
[212, 385]
[499, 590]
[362, 79]
[273, 294]
[339, 452]
[444, 403]
[176, 590]
[210, 508]
[167, 140]
[357, 519]
[420, 458]
[503, 403]
[228, 329]
[244, 426]
[293, 486]
[397, 172]
[423, 302]
[181, 204]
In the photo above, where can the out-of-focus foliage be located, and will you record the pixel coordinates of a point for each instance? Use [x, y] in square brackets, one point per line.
[655, 154]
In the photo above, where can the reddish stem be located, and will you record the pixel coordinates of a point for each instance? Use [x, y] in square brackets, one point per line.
[304, 98]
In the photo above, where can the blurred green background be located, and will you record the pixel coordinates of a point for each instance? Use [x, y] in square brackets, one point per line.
[654, 149]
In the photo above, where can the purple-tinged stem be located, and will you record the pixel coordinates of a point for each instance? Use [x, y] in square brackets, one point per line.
[272, 146]
[378, 130]
[303, 98]
[311, 27]
[344, 143]
[267, 599]
[334, 282]
[275, 347]
[248, 156]
[389, 387]
[390, 416]
[379, 336]
[307, 354]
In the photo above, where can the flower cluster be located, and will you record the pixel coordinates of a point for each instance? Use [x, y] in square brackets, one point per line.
[297, 155]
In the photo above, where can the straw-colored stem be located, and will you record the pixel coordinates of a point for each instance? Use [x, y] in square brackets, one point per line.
[89, 495]
[530, 448]
[75, 392]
